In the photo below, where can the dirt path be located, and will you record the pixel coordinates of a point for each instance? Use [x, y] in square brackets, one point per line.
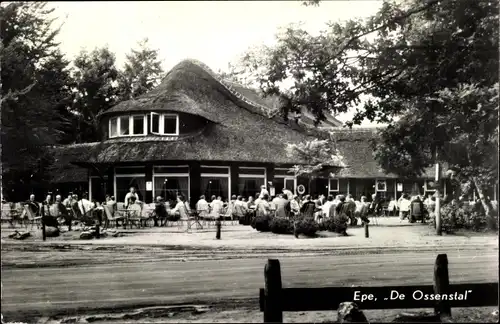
[30, 293]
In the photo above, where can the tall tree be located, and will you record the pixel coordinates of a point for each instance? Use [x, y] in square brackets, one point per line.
[34, 91]
[142, 72]
[430, 69]
[96, 90]
[317, 155]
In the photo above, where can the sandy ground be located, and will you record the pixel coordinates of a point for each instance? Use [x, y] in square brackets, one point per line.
[389, 233]
[166, 266]
[221, 314]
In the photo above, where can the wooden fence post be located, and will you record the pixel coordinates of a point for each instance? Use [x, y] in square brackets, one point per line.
[273, 312]
[44, 236]
[367, 233]
[218, 225]
[442, 286]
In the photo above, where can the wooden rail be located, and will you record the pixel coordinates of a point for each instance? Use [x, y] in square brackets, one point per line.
[274, 300]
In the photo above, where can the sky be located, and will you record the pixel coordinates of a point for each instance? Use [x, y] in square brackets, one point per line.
[214, 32]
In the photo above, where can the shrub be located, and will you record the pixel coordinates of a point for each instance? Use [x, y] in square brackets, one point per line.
[279, 225]
[262, 223]
[332, 225]
[306, 226]
[252, 222]
[455, 217]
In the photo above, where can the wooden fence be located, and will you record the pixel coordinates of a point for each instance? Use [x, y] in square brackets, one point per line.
[274, 300]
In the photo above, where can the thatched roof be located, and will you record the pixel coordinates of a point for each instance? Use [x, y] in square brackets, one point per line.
[356, 147]
[235, 132]
[241, 128]
[179, 92]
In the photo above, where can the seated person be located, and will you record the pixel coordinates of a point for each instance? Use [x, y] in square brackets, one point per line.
[181, 209]
[64, 215]
[160, 211]
[48, 219]
[202, 207]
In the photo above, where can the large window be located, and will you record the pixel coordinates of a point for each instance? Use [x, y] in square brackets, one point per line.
[250, 180]
[164, 124]
[170, 181]
[127, 177]
[215, 181]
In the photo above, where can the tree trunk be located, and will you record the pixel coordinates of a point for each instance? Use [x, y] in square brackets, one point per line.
[487, 208]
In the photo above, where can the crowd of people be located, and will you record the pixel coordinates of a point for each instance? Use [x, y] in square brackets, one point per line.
[57, 211]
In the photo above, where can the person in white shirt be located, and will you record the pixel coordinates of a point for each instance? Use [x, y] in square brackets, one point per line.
[294, 205]
[325, 209]
[202, 207]
[129, 195]
[182, 208]
[392, 207]
[240, 207]
[85, 205]
[67, 201]
[288, 194]
[263, 191]
[404, 207]
[280, 203]
[216, 207]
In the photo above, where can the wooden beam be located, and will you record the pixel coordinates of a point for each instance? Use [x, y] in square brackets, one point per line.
[442, 287]
[273, 312]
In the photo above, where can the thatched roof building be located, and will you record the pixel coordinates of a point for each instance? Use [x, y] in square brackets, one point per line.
[219, 132]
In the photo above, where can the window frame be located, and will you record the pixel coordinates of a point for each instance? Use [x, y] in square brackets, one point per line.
[151, 123]
[161, 121]
[426, 187]
[162, 129]
[131, 124]
[148, 124]
[384, 181]
[117, 119]
[330, 188]
[120, 125]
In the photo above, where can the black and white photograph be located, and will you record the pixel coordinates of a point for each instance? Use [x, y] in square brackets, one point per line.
[318, 161]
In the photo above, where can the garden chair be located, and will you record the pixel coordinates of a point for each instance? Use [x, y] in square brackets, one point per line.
[110, 217]
[32, 218]
[134, 215]
[225, 214]
[203, 214]
[147, 214]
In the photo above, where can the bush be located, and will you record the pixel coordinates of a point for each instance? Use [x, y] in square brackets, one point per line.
[455, 217]
[332, 225]
[280, 225]
[306, 226]
[262, 223]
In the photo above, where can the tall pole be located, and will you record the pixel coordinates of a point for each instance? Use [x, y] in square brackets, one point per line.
[438, 202]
